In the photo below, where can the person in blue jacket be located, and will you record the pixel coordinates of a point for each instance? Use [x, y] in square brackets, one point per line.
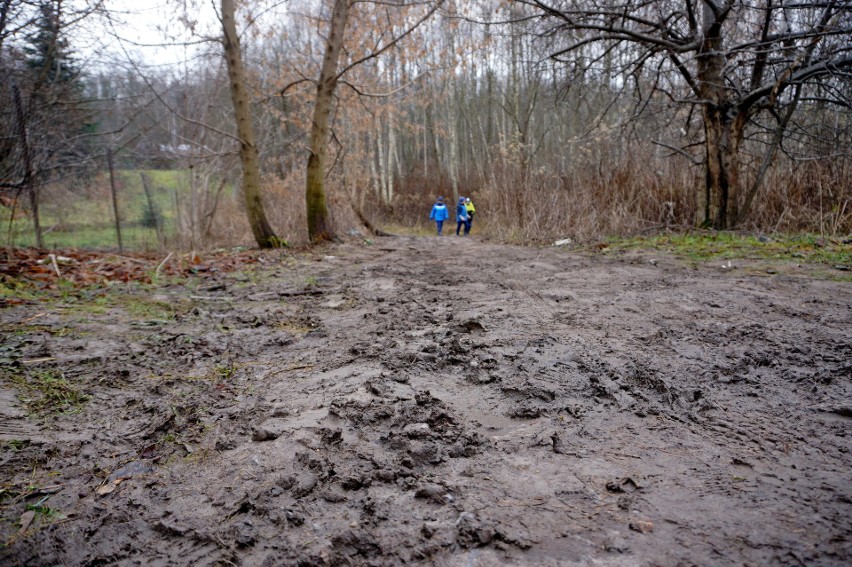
[461, 217]
[439, 214]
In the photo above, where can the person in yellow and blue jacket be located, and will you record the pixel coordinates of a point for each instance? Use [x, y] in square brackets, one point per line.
[461, 217]
[468, 205]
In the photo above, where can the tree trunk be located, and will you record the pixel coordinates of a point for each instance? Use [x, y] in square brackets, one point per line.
[114, 199]
[319, 226]
[152, 207]
[724, 131]
[27, 182]
[720, 163]
[260, 227]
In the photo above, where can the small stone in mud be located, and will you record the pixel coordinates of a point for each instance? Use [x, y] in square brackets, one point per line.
[642, 526]
[416, 430]
[306, 484]
[294, 518]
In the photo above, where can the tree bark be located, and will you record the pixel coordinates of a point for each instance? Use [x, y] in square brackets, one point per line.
[720, 118]
[260, 227]
[149, 196]
[114, 199]
[27, 183]
[319, 225]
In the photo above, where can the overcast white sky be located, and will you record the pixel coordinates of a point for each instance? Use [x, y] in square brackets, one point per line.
[150, 31]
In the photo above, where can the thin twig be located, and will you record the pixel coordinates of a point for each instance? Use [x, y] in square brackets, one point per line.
[163, 263]
[55, 265]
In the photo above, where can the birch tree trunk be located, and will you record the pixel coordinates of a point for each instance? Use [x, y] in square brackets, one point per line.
[260, 227]
[392, 159]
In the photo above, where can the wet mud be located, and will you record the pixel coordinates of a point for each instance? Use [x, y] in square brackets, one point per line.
[440, 401]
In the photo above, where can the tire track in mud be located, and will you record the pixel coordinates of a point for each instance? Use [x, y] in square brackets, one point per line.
[450, 402]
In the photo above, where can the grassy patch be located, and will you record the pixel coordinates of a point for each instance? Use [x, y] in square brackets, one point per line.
[704, 247]
[16, 444]
[140, 308]
[88, 237]
[48, 392]
[13, 292]
[45, 513]
[224, 372]
[77, 218]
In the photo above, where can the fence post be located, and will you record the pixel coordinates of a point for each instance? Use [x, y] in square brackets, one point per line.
[114, 198]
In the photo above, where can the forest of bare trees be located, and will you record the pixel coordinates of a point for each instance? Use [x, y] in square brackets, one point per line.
[301, 120]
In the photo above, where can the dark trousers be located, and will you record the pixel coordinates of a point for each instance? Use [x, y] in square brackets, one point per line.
[440, 224]
[460, 224]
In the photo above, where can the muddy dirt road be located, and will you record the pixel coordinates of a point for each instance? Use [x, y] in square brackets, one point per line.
[438, 402]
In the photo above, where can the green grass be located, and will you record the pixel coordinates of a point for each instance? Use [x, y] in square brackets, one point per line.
[17, 291]
[86, 220]
[49, 392]
[88, 237]
[140, 308]
[704, 247]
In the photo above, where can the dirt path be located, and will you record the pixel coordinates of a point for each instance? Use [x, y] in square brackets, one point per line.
[442, 402]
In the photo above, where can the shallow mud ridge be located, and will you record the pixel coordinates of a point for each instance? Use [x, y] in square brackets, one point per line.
[440, 401]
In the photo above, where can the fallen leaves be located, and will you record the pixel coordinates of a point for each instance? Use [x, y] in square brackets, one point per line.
[108, 487]
[79, 268]
[26, 520]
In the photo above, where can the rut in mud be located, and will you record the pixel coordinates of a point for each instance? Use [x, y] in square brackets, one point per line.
[441, 401]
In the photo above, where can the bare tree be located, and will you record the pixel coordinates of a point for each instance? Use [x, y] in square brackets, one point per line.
[746, 66]
[47, 112]
[330, 75]
[262, 230]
